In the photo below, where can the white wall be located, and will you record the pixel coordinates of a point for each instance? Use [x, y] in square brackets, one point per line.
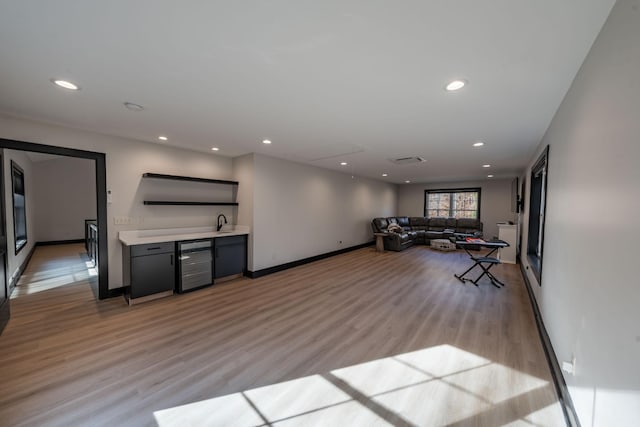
[243, 168]
[495, 203]
[15, 261]
[295, 211]
[65, 195]
[590, 294]
[302, 211]
[126, 161]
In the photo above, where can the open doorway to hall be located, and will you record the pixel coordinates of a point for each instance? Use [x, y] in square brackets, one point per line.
[53, 266]
[58, 203]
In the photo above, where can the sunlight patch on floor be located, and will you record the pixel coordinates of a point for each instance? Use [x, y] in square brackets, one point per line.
[441, 385]
[54, 273]
[549, 412]
[308, 400]
[230, 410]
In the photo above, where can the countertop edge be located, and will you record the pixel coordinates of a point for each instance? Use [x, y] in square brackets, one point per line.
[130, 241]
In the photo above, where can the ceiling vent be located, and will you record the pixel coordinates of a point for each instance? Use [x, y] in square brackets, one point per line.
[407, 160]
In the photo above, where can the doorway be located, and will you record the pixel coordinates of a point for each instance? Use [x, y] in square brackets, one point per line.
[4, 289]
[61, 201]
[101, 201]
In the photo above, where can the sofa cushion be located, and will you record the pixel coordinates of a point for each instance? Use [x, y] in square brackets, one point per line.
[436, 224]
[379, 225]
[418, 221]
[420, 236]
[451, 223]
[392, 220]
[406, 237]
[403, 221]
[433, 235]
[398, 241]
[448, 233]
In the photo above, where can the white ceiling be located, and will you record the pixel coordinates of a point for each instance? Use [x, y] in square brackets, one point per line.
[359, 81]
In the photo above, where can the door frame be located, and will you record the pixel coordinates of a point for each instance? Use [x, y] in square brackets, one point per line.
[5, 309]
[101, 200]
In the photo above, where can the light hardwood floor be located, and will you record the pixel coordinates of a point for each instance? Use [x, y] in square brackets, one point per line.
[54, 266]
[363, 338]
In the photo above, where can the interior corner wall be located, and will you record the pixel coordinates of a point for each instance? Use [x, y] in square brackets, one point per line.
[126, 161]
[14, 261]
[243, 172]
[589, 294]
[495, 200]
[302, 211]
[65, 193]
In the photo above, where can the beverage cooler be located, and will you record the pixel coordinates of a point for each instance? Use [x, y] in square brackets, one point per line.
[195, 266]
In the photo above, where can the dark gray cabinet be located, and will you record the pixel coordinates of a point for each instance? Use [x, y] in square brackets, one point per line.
[230, 256]
[149, 269]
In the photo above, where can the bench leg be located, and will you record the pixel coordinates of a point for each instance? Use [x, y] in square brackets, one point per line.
[485, 271]
[463, 279]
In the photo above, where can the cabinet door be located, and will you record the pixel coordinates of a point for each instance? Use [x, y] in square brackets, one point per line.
[152, 274]
[230, 255]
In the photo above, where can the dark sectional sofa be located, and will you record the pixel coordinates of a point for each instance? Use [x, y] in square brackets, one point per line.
[421, 230]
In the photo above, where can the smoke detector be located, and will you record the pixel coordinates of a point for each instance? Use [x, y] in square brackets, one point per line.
[407, 160]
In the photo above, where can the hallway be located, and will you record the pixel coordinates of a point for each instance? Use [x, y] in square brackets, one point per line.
[54, 266]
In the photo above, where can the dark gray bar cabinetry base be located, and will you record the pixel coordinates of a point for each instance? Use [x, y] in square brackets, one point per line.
[230, 256]
[149, 270]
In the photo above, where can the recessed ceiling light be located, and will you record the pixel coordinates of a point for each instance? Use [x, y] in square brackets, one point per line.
[266, 141]
[489, 176]
[343, 163]
[163, 138]
[65, 84]
[486, 166]
[384, 174]
[478, 144]
[214, 149]
[407, 181]
[133, 107]
[455, 85]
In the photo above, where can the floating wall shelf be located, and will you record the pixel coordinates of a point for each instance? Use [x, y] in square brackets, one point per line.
[190, 179]
[173, 203]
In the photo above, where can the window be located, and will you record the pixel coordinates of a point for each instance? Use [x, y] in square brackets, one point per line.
[19, 207]
[537, 205]
[456, 203]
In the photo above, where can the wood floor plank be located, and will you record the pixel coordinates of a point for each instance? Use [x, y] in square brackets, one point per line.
[66, 359]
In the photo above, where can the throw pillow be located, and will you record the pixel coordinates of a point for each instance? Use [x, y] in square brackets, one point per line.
[394, 228]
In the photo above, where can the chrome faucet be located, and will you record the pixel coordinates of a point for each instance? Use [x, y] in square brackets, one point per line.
[219, 223]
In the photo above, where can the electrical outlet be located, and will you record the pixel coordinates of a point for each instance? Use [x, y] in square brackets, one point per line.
[121, 220]
[569, 366]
